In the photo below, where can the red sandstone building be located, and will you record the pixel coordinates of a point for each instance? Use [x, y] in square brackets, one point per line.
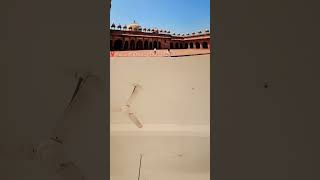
[134, 37]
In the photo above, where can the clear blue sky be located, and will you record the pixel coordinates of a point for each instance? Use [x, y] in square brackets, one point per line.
[179, 16]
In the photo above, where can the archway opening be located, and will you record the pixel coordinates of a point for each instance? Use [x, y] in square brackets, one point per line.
[126, 45]
[118, 44]
[150, 45]
[159, 45]
[198, 45]
[181, 46]
[177, 45]
[155, 44]
[132, 45]
[186, 45]
[146, 44]
[139, 45]
[191, 45]
[171, 45]
[111, 47]
[205, 45]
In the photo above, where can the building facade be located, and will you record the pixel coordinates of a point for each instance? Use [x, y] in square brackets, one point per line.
[134, 37]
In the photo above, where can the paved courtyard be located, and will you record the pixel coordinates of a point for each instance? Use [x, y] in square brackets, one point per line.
[159, 53]
[173, 105]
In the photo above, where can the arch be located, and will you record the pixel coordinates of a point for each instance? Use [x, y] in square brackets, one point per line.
[118, 44]
[159, 45]
[181, 46]
[197, 45]
[186, 45]
[150, 45]
[171, 45]
[139, 45]
[177, 45]
[126, 45]
[132, 45]
[155, 44]
[191, 45]
[146, 44]
[111, 45]
[205, 45]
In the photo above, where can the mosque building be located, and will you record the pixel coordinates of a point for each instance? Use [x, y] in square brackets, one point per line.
[134, 37]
